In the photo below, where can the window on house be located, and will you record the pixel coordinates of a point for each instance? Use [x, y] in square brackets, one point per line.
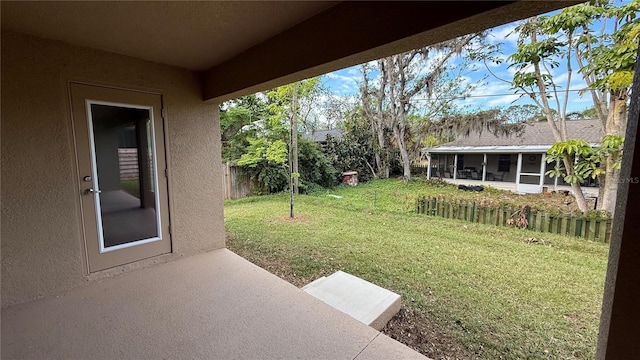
[504, 163]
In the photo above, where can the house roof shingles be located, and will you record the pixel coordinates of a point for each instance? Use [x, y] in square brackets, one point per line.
[537, 134]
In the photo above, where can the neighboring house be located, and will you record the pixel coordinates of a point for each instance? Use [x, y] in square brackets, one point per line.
[89, 270]
[516, 158]
[257, 125]
[320, 136]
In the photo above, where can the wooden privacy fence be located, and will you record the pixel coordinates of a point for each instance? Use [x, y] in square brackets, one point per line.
[128, 161]
[234, 185]
[597, 229]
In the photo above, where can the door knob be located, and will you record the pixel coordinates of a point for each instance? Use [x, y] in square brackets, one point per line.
[91, 191]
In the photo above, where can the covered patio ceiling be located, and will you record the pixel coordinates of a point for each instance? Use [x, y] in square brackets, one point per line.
[243, 47]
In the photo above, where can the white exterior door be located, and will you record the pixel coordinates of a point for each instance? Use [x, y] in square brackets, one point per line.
[121, 165]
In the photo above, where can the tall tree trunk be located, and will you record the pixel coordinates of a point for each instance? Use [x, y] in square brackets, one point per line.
[616, 124]
[384, 150]
[399, 130]
[577, 189]
[608, 188]
[384, 82]
[381, 152]
[404, 155]
[294, 141]
[374, 134]
[580, 200]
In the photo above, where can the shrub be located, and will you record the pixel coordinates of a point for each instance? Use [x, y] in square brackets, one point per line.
[314, 167]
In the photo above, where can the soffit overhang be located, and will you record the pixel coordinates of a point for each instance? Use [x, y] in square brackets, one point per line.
[241, 47]
[195, 35]
[352, 33]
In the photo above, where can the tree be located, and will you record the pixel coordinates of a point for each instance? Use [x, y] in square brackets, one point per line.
[430, 115]
[354, 151]
[334, 109]
[606, 63]
[392, 105]
[292, 104]
[523, 113]
[497, 121]
[250, 141]
[260, 133]
[604, 57]
[234, 115]
[265, 161]
[586, 159]
[316, 171]
[373, 107]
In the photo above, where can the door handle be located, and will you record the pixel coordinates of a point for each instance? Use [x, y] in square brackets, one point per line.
[91, 191]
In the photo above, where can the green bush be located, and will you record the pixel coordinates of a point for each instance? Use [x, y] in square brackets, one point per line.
[266, 162]
[314, 167]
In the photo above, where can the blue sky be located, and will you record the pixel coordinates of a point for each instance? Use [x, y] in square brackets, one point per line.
[491, 94]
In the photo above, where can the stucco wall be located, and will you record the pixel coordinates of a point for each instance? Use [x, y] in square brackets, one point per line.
[42, 251]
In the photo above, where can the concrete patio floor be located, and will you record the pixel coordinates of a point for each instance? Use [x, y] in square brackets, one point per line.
[210, 306]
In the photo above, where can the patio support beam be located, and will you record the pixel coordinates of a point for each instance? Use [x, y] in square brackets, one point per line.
[428, 166]
[484, 167]
[555, 179]
[620, 319]
[542, 167]
[455, 166]
[347, 39]
[518, 170]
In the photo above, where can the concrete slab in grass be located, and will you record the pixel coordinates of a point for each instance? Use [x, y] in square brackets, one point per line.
[365, 301]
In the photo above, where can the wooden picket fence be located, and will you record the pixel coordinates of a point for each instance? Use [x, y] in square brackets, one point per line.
[597, 229]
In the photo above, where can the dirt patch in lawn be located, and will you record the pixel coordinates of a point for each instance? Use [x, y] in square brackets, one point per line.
[418, 332]
[555, 201]
[297, 219]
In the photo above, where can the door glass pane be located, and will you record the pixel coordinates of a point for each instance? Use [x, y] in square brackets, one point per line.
[124, 165]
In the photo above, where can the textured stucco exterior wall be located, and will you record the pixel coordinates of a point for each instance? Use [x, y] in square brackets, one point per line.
[42, 243]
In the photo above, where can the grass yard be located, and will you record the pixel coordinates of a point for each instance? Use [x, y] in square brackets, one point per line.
[468, 290]
[132, 186]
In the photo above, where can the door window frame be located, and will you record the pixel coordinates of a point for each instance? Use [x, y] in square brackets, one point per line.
[96, 180]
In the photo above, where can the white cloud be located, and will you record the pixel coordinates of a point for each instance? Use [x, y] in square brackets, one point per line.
[577, 81]
[504, 34]
[504, 100]
[354, 71]
[345, 81]
[493, 88]
[561, 79]
[464, 80]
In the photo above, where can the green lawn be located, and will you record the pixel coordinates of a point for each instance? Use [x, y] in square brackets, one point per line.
[132, 186]
[500, 292]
